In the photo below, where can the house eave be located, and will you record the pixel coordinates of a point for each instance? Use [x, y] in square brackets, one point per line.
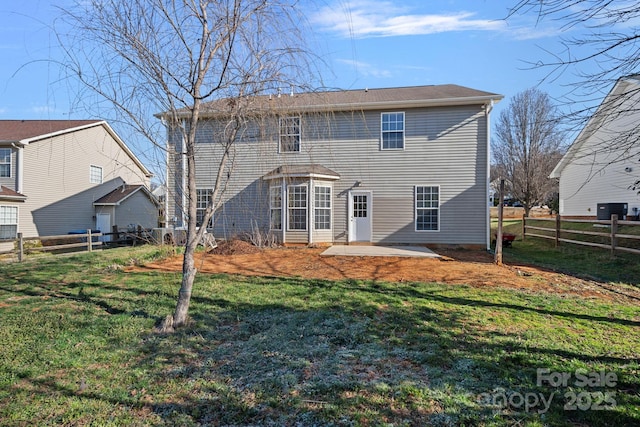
[301, 175]
[13, 198]
[351, 106]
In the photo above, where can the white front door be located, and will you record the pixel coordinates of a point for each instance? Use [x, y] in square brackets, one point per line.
[103, 223]
[360, 216]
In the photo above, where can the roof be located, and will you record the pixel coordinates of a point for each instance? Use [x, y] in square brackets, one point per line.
[608, 109]
[352, 100]
[122, 193]
[8, 194]
[19, 130]
[25, 132]
[301, 171]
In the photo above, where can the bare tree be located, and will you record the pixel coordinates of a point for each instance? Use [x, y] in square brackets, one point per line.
[602, 46]
[173, 56]
[527, 147]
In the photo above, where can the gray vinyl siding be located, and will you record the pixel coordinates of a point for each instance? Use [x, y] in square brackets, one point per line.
[444, 147]
[136, 210]
[56, 180]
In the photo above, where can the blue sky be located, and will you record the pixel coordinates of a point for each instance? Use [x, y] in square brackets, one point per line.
[367, 44]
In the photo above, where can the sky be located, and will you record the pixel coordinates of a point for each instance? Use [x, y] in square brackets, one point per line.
[366, 44]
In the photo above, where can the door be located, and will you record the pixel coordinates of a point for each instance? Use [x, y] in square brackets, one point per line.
[103, 223]
[360, 216]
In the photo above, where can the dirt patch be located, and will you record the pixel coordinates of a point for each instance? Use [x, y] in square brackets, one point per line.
[456, 267]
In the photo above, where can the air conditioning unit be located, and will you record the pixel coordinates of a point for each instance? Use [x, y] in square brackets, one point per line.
[169, 236]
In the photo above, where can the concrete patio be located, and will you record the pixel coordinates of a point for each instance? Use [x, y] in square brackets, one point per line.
[401, 251]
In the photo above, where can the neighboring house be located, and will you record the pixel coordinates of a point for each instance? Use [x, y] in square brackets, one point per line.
[59, 176]
[405, 165]
[603, 162]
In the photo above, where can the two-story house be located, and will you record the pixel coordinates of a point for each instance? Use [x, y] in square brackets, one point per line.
[602, 164]
[406, 165]
[58, 176]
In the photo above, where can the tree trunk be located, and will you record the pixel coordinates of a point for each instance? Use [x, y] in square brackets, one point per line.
[184, 295]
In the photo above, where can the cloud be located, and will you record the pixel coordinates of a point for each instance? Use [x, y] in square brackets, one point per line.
[371, 18]
[366, 69]
[42, 109]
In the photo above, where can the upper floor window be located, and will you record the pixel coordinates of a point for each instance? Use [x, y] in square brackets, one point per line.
[392, 131]
[8, 222]
[203, 200]
[95, 174]
[289, 134]
[275, 205]
[5, 162]
[427, 208]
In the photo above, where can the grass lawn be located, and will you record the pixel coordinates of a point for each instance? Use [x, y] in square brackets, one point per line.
[78, 348]
[582, 261]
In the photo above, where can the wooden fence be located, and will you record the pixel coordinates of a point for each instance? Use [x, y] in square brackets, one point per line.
[87, 241]
[607, 240]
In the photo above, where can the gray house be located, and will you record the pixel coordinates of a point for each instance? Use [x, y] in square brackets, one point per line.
[53, 174]
[405, 165]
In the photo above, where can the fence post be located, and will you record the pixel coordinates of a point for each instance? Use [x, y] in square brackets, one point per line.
[524, 226]
[498, 255]
[614, 230]
[20, 247]
[89, 238]
[557, 230]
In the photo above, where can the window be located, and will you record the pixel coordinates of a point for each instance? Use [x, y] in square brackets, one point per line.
[289, 134]
[322, 208]
[275, 205]
[392, 131]
[297, 207]
[5, 162]
[8, 222]
[203, 198]
[95, 175]
[427, 208]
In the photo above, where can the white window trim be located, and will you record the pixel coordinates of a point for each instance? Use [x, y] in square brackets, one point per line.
[415, 209]
[272, 208]
[17, 210]
[306, 208]
[203, 210]
[330, 208]
[10, 162]
[91, 169]
[404, 131]
[280, 134]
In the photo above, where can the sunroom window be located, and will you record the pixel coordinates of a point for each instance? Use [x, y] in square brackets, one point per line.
[322, 208]
[297, 207]
[275, 206]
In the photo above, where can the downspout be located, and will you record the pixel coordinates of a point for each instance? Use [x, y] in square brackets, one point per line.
[183, 155]
[487, 111]
[283, 210]
[310, 211]
[167, 159]
[19, 167]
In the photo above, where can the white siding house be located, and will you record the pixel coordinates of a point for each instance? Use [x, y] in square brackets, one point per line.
[52, 172]
[378, 166]
[603, 162]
